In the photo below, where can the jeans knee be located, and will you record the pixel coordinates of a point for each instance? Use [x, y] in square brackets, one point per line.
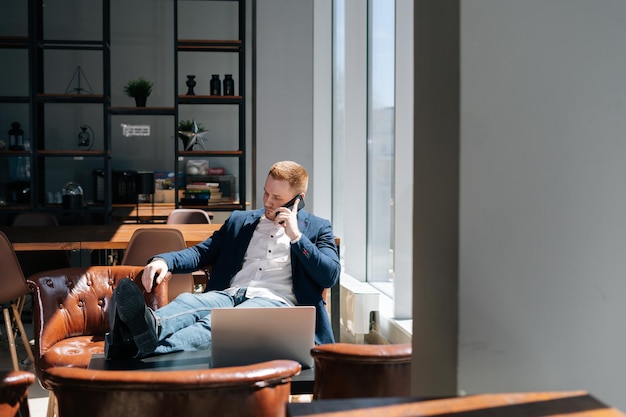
[185, 297]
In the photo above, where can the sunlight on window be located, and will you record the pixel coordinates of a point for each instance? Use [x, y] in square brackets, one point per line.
[380, 150]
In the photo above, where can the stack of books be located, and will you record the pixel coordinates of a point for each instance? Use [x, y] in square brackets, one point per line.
[209, 192]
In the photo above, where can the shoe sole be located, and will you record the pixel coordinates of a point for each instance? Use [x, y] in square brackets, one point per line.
[132, 310]
[118, 344]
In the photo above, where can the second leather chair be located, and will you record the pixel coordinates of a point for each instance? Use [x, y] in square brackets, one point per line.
[147, 242]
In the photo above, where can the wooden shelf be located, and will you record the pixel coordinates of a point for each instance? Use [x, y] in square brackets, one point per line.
[210, 99]
[14, 42]
[204, 45]
[143, 111]
[6, 152]
[210, 153]
[70, 98]
[71, 153]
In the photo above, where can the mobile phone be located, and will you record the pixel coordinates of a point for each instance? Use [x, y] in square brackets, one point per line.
[289, 204]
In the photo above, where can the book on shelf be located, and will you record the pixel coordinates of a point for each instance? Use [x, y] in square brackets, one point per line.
[203, 186]
[217, 171]
[203, 191]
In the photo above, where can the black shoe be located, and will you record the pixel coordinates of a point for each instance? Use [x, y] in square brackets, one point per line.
[135, 315]
[118, 342]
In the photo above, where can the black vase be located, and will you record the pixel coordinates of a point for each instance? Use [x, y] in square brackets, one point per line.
[191, 83]
[216, 85]
[229, 85]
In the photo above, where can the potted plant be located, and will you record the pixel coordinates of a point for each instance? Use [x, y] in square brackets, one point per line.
[139, 89]
[188, 126]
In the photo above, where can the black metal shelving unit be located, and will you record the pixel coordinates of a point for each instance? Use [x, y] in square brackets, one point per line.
[39, 101]
[196, 46]
[40, 98]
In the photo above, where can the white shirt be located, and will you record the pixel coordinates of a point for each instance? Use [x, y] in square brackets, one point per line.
[266, 270]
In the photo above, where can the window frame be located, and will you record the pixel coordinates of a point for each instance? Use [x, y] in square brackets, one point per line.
[349, 178]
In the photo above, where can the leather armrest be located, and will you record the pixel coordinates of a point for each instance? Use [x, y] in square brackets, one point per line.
[364, 353]
[14, 392]
[259, 375]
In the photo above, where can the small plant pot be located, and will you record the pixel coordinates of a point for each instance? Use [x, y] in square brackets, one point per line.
[185, 140]
[140, 101]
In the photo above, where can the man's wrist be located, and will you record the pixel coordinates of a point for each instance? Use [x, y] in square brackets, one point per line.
[297, 239]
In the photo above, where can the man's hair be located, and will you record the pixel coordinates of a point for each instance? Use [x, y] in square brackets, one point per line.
[291, 172]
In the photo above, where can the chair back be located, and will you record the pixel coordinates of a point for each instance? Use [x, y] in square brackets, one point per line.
[36, 261]
[188, 216]
[35, 219]
[260, 390]
[12, 282]
[148, 242]
[344, 370]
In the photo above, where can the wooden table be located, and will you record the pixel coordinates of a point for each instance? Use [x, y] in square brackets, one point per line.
[562, 403]
[156, 212]
[94, 237]
[116, 237]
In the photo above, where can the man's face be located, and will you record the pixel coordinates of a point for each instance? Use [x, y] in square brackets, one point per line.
[275, 194]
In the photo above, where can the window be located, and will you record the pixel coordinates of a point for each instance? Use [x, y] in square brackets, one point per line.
[380, 143]
[372, 144]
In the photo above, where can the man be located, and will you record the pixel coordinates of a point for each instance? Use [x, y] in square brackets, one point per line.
[274, 256]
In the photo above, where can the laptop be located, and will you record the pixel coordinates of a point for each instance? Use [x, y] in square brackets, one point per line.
[243, 336]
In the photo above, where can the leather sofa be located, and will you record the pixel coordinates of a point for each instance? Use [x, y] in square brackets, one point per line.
[70, 316]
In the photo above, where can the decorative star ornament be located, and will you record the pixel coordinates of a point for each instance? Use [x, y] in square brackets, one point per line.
[195, 138]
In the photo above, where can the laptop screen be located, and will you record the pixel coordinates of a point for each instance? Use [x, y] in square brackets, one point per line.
[242, 336]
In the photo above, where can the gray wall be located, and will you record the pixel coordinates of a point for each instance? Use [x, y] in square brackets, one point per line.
[542, 230]
[435, 198]
[284, 87]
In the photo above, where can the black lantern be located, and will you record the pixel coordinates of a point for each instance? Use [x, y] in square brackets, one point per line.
[16, 137]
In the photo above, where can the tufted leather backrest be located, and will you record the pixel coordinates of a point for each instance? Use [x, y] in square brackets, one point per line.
[74, 302]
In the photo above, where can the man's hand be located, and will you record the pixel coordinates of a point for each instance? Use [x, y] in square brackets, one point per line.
[154, 273]
[288, 219]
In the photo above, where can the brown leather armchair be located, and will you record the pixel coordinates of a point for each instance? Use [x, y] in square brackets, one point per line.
[70, 315]
[344, 370]
[14, 392]
[259, 390]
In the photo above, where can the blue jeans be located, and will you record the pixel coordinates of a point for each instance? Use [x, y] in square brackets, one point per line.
[185, 323]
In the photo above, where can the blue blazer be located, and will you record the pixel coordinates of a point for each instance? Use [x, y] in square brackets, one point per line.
[314, 260]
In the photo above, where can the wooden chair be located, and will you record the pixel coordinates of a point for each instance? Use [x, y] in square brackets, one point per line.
[147, 242]
[14, 393]
[12, 288]
[260, 390]
[344, 370]
[36, 261]
[187, 216]
[35, 219]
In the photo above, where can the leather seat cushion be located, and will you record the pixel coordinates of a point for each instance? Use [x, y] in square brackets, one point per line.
[72, 352]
